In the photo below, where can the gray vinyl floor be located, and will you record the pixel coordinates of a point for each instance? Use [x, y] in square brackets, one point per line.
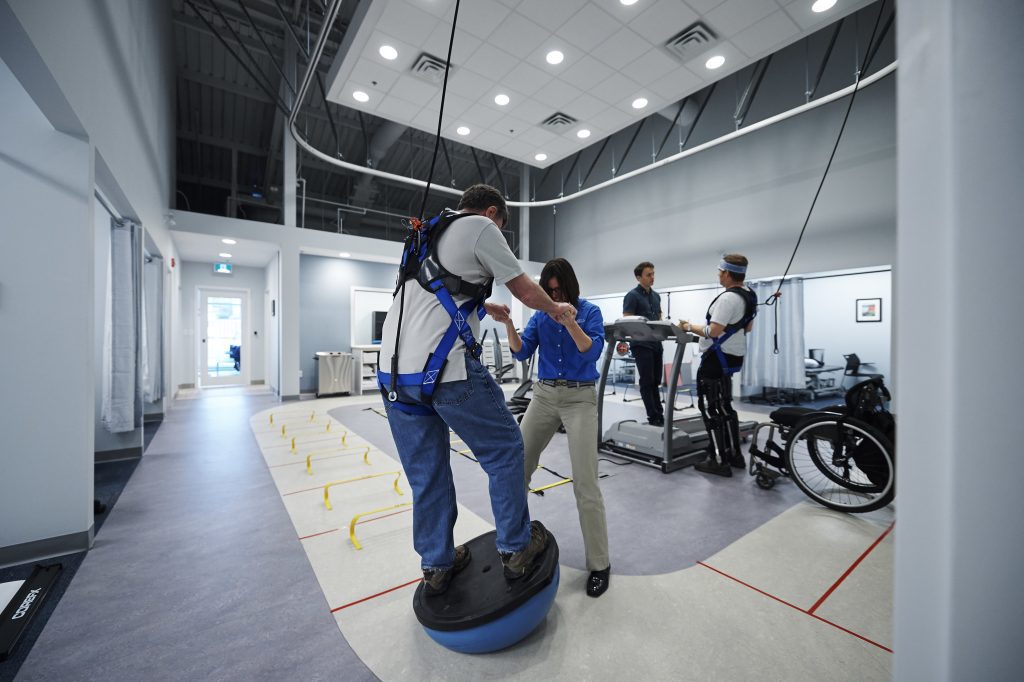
[204, 572]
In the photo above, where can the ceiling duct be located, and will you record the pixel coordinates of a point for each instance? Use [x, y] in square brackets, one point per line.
[690, 42]
[558, 120]
[429, 68]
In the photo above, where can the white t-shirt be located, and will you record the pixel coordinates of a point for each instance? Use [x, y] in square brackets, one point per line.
[728, 309]
[472, 248]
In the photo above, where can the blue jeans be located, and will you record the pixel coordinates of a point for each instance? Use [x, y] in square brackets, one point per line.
[475, 410]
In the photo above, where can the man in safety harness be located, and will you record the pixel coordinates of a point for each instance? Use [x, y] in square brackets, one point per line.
[432, 379]
[723, 344]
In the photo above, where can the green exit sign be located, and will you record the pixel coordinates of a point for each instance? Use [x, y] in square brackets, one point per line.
[222, 268]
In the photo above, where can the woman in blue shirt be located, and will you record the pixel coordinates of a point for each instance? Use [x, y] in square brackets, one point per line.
[565, 394]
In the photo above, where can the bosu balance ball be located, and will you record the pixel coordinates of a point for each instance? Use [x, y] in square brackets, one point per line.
[482, 611]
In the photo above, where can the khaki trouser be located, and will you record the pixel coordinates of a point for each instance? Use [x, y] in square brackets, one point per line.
[576, 408]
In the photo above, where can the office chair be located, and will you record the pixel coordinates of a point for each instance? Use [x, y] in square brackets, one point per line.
[853, 365]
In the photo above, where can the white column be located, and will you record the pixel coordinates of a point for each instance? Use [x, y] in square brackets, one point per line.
[289, 320]
[960, 242]
[288, 190]
[524, 214]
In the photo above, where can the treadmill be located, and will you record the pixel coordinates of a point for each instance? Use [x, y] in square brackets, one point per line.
[681, 442]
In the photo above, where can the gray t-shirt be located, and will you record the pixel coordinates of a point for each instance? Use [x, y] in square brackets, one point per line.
[472, 248]
[728, 309]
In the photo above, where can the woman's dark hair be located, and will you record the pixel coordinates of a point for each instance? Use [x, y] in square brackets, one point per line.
[560, 269]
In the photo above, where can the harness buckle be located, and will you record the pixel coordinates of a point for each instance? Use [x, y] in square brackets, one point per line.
[392, 396]
[476, 350]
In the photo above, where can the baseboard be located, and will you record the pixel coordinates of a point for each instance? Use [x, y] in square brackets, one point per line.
[38, 550]
[287, 398]
[257, 382]
[181, 386]
[118, 455]
[153, 417]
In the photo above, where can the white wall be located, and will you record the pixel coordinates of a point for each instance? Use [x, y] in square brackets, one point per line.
[250, 280]
[830, 323]
[46, 327]
[272, 339]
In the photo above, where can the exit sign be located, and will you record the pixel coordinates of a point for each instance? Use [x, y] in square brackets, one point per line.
[222, 268]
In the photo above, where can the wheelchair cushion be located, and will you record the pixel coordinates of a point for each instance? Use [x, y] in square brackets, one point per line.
[789, 416]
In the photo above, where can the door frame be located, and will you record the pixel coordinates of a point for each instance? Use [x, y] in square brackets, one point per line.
[245, 373]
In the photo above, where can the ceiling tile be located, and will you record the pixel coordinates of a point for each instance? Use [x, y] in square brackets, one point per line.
[732, 16]
[650, 66]
[663, 20]
[468, 84]
[482, 116]
[406, 22]
[491, 61]
[442, 9]
[674, 85]
[589, 28]
[454, 106]
[413, 89]
[406, 52]
[519, 36]
[734, 59]
[464, 45]
[622, 13]
[800, 11]
[481, 17]
[526, 79]
[766, 35]
[584, 106]
[613, 88]
[655, 102]
[702, 7]
[612, 119]
[557, 94]
[511, 126]
[548, 13]
[374, 74]
[396, 109]
[622, 48]
[586, 73]
[529, 110]
[346, 96]
[490, 140]
[536, 136]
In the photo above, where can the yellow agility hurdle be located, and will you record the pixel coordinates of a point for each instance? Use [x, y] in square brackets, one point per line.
[309, 458]
[327, 488]
[352, 524]
[551, 485]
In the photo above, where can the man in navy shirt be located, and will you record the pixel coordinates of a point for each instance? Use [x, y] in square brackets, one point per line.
[645, 302]
[570, 345]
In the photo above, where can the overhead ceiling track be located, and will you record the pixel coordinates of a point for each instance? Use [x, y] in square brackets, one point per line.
[796, 111]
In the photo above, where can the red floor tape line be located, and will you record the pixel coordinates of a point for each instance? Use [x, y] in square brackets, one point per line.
[306, 537]
[850, 569]
[374, 596]
[797, 608]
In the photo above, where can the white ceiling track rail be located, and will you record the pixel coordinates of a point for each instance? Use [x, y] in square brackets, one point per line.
[332, 13]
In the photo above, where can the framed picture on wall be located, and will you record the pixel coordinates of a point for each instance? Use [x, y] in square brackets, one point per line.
[869, 310]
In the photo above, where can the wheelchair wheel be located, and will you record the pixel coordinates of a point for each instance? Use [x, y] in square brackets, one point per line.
[842, 463]
[764, 482]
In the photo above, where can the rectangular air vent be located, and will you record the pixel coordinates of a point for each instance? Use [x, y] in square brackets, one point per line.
[430, 69]
[558, 120]
[690, 42]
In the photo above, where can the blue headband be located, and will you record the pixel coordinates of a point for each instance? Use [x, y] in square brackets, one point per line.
[732, 267]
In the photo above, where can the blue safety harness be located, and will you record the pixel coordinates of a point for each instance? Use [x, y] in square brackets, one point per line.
[750, 312]
[420, 262]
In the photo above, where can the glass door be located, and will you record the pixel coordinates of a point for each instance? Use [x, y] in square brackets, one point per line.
[222, 357]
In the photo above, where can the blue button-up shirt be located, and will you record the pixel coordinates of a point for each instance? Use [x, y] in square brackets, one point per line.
[559, 356]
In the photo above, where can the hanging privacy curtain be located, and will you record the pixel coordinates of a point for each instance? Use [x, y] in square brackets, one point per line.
[122, 397]
[152, 323]
[762, 366]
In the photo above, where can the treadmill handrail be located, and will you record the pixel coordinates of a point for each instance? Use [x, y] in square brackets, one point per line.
[636, 328]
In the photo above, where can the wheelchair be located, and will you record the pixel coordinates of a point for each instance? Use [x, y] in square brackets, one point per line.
[842, 457]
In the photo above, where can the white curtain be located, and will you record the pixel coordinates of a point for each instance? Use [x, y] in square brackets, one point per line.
[122, 398]
[763, 366]
[152, 325]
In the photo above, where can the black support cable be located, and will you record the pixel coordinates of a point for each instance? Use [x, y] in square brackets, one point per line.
[639, 127]
[479, 168]
[242, 45]
[700, 112]
[596, 159]
[274, 99]
[330, 116]
[448, 160]
[291, 30]
[682, 105]
[881, 37]
[750, 92]
[825, 57]
[774, 298]
[501, 176]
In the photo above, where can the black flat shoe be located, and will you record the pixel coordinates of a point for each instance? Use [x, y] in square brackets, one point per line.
[598, 582]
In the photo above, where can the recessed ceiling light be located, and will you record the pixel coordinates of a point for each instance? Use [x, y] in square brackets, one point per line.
[823, 5]
[555, 57]
[627, 3]
[360, 96]
[501, 100]
[583, 133]
[388, 52]
[715, 62]
[345, 254]
[640, 103]
[462, 130]
[541, 157]
[224, 255]
[229, 241]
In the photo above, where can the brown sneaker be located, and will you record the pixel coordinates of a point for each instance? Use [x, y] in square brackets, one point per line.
[436, 581]
[518, 564]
